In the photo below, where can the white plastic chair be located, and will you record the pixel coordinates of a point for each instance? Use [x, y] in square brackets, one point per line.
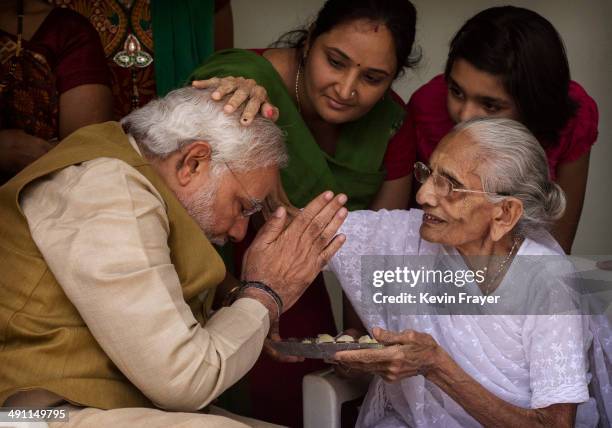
[323, 395]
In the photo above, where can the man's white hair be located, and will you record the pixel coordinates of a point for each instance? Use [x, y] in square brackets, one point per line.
[512, 162]
[185, 115]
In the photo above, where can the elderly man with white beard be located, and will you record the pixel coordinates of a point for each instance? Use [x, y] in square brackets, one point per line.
[107, 278]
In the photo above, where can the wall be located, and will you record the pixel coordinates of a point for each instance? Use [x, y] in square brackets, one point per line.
[584, 26]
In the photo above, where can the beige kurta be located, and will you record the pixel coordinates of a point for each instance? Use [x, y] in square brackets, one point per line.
[117, 272]
[106, 236]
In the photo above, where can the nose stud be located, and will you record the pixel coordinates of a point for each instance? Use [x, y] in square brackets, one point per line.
[353, 93]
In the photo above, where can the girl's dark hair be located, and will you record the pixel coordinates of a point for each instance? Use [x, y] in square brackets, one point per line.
[399, 16]
[526, 51]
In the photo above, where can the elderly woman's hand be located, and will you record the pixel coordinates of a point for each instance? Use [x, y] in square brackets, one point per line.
[242, 90]
[410, 353]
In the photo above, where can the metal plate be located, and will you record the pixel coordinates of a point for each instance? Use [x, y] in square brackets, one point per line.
[319, 350]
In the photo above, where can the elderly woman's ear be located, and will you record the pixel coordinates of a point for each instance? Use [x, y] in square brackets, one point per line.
[506, 215]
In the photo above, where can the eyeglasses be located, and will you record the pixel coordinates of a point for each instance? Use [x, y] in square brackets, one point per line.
[442, 185]
[256, 204]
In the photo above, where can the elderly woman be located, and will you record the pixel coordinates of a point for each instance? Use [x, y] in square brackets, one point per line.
[486, 197]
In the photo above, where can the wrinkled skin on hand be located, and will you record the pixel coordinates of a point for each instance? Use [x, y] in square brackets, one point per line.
[409, 353]
[288, 258]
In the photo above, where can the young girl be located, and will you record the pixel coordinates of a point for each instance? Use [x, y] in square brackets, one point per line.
[510, 62]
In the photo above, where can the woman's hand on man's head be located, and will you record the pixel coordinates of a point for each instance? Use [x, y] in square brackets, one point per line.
[242, 91]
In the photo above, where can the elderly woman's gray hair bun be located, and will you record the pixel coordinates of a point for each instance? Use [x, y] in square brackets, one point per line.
[512, 162]
[554, 204]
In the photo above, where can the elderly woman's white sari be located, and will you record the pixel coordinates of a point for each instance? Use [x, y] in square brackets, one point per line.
[529, 360]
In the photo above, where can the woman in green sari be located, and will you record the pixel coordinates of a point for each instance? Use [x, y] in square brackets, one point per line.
[329, 88]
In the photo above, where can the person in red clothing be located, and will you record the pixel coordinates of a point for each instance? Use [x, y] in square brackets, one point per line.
[53, 80]
[510, 62]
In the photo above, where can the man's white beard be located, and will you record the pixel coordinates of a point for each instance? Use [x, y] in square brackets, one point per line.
[200, 208]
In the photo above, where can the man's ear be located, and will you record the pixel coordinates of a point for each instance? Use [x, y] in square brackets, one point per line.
[506, 214]
[195, 160]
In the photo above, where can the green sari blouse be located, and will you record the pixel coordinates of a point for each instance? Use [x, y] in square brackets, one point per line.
[356, 167]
